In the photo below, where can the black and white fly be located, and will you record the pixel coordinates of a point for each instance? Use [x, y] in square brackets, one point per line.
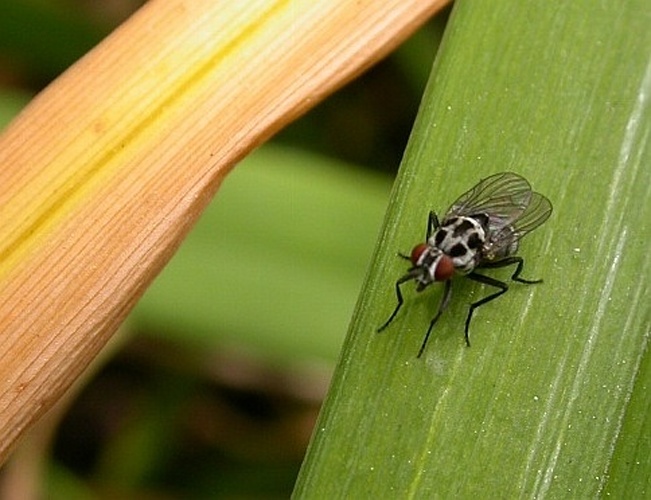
[481, 230]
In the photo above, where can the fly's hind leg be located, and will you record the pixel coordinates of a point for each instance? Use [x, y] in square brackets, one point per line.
[486, 280]
[509, 261]
[503, 287]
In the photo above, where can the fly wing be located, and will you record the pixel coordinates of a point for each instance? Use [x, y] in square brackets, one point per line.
[503, 240]
[503, 197]
[537, 212]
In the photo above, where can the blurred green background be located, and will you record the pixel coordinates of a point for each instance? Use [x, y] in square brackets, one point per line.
[203, 395]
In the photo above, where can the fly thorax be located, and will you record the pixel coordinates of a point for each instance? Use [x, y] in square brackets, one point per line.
[462, 239]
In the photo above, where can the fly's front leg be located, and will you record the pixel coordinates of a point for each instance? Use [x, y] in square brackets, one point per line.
[486, 280]
[432, 224]
[407, 277]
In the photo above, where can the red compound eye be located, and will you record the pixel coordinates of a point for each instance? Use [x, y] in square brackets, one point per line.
[417, 252]
[444, 269]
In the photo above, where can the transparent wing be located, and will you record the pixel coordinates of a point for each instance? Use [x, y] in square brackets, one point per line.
[503, 197]
[503, 239]
[537, 212]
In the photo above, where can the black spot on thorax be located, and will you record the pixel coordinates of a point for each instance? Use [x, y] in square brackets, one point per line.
[474, 241]
[463, 228]
[458, 250]
[441, 234]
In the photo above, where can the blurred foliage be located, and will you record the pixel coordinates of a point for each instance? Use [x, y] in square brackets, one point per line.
[40, 38]
[287, 242]
[210, 401]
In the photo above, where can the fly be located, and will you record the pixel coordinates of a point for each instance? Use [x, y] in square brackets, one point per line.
[481, 230]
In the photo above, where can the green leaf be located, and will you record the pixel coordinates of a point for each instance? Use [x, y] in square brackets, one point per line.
[552, 398]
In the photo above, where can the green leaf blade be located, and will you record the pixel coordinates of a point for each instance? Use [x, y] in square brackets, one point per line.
[539, 404]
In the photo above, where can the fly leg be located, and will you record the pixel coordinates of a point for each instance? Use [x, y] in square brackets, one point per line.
[503, 287]
[486, 280]
[407, 277]
[432, 224]
[508, 262]
[442, 306]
